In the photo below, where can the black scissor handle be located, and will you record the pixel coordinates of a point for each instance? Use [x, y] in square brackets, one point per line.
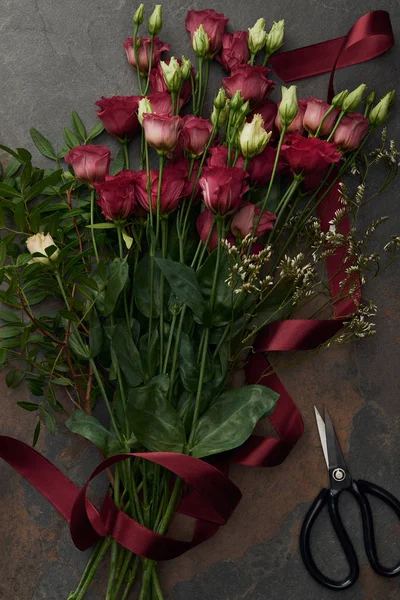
[331, 498]
[359, 490]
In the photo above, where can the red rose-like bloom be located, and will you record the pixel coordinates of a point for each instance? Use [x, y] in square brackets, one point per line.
[314, 113]
[143, 52]
[218, 157]
[161, 103]
[90, 163]
[196, 133]
[244, 220]
[297, 123]
[183, 164]
[309, 154]
[251, 81]
[116, 195]
[204, 222]
[235, 50]
[268, 112]
[351, 130]
[223, 188]
[157, 83]
[162, 132]
[214, 25]
[260, 167]
[173, 188]
[119, 115]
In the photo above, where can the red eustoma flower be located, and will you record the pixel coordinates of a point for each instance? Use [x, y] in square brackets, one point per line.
[173, 188]
[251, 81]
[351, 131]
[183, 164]
[246, 217]
[235, 50]
[116, 195]
[205, 221]
[218, 157]
[196, 133]
[90, 163]
[161, 131]
[297, 123]
[143, 52]
[260, 167]
[313, 116]
[157, 84]
[161, 103]
[223, 188]
[306, 155]
[119, 115]
[214, 25]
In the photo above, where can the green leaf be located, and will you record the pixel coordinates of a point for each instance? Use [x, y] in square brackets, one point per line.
[19, 215]
[117, 278]
[24, 154]
[14, 378]
[153, 420]
[77, 346]
[95, 334]
[118, 163]
[101, 226]
[188, 364]
[79, 127]
[12, 167]
[90, 428]
[36, 434]
[222, 312]
[6, 191]
[183, 283]
[142, 288]
[127, 355]
[9, 331]
[50, 421]
[231, 419]
[38, 188]
[30, 406]
[70, 138]
[42, 144]
[9, 151]
[3, 253]
[95, 131]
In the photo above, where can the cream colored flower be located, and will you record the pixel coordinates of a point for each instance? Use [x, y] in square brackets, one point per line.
[257, 36]
[37, 244]
[253, 137]
[144, 107]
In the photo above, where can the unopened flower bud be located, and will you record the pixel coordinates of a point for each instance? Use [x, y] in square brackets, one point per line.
[37, 244]
[370, 99]
[253, 137]
[155, 20]
[186, 68]
[201, 42]
[138, 17]
[220, 99]
[245, 109]
[274, 39]
[220, 115]
[379, 113]
[392, 97]
[144, 107]
[237, 101]
[353, 99]
[288, 108]
[257, 36]
[172, 74]
[338, 100]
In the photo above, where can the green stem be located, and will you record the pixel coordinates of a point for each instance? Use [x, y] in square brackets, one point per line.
[164, 245]
[196, 413]
[158, 216]
[122, 574]
[84, 585]
[169, 343]
[176, 353]
[199, 86]
[92, 200]
[266, 59]
[126, 153]
[205, 87]
[131, 579]
[328, 112]
[135, 52]
[105, 398]
[332, 133]
[157, 587]
[121, 255]
[252, 57]
[114, 546]
[146, 89]
[285, 201]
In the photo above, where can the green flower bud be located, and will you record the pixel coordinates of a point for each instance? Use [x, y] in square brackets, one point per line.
[220, 99]
[138, 17]
[288, 108]
[144, 107]
[253, 137]
[219, 116]
[392, 97]
[201, 42]
[257, 36]
[186, 68]
[155, 20]
[172, 74]
[237, 101]
[370, 99]
[338, 100]
[353, 99]
[274, 39]
[379, 113]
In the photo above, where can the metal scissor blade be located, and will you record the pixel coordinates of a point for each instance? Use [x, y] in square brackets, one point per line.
[335, 454]
[322, 435]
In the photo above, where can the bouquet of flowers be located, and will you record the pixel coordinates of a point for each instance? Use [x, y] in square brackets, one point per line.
[141, 282]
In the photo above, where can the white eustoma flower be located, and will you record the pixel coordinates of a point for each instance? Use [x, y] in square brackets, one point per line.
[37, 244]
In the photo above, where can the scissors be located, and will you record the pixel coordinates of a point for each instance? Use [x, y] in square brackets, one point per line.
[340, 480]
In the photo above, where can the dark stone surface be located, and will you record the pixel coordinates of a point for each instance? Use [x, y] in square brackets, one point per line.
[60, 56]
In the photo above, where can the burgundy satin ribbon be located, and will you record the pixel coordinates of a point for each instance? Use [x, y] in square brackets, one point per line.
[214, 497]
[370, 36]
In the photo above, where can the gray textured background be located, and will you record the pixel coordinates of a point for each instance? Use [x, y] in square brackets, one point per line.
[59, 56]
